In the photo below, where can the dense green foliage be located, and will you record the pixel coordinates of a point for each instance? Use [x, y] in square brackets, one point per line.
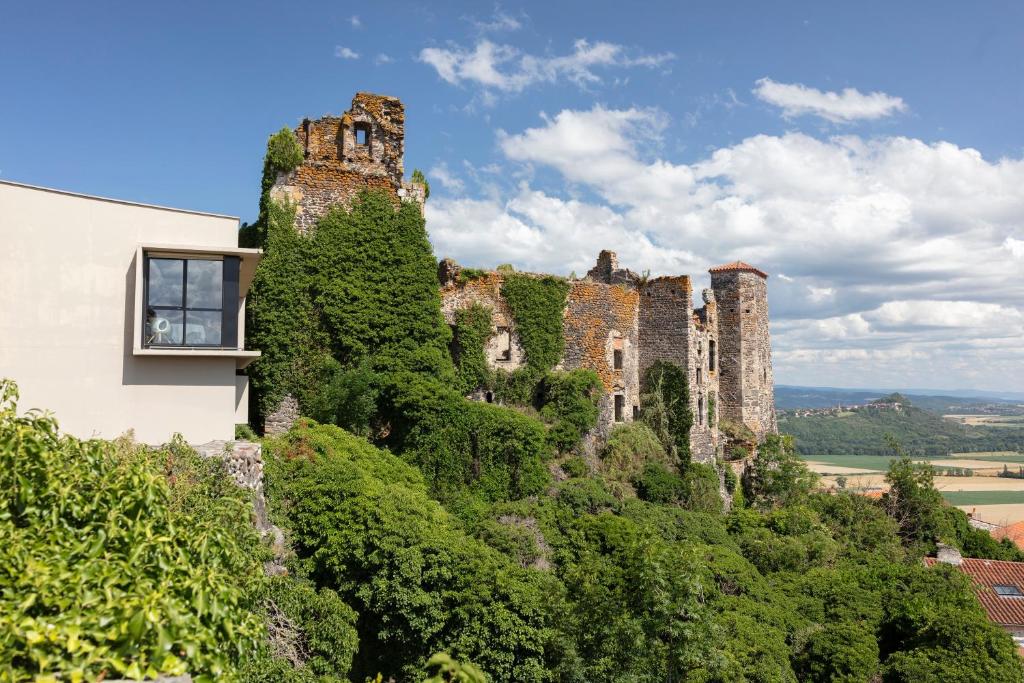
[568, 401]
[777, 477]
[472, 330]
[330, 297]
[921, 432]
[434, 523]
[665, 406]
[105, 566]
[537, 303]
[630, 447]
[363, 524]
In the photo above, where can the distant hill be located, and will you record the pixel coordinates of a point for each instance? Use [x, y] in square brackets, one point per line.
[863, 430]
[791, 397]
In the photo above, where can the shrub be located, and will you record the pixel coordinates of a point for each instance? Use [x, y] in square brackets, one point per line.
[346, 397]
[569, 402]
[666, 407]
[656, 484]
[97, 572]
[777, 477]
[701, 488]
[838, 653]
[629, 448]
[244, 432]
[518, 387]
[494, 451]
[364, 525]
[312, 635]
[575, 467]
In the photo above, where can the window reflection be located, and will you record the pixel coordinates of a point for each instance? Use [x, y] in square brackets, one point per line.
[184, 302]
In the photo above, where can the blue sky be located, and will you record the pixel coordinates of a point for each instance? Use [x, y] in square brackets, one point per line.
[868, 155]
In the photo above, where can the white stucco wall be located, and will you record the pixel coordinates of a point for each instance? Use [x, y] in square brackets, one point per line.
[67, 318]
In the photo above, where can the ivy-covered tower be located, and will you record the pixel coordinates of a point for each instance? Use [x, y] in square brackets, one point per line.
[746, 381]
[343, 155]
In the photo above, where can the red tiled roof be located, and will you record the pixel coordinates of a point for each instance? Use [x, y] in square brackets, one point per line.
[738, 265]
[1014, 532]
[1006, 611]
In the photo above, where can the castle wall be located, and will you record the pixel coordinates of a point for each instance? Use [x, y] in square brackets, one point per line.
[601, 319]
[704, 386]
[747, 381]
[337, 167]
[486, 291]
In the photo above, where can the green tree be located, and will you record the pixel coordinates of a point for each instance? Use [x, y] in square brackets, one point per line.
[838, 653]
[418, 177]
[914, 503]
[777, 477]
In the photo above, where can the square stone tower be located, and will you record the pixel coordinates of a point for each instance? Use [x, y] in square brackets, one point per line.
[746, 382]
[362, 149]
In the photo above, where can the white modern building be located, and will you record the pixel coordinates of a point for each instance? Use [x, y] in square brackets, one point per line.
[117, 316]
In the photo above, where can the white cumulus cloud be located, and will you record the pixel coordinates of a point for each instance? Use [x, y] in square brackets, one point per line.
[345, 52]
[505, 68]
[796, 99]
[901, 257]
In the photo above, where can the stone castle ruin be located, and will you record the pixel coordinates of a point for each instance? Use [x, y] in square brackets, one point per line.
[618, 324]
[362, 149]
[615, 323]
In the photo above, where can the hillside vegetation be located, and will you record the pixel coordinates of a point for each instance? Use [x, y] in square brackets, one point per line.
[921, 432]
[431, 536]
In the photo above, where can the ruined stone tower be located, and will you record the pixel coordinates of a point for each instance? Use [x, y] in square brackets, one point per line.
[361, 149]
[745, 379]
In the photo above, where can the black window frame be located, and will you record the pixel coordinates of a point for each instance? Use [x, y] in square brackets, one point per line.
[230, 274]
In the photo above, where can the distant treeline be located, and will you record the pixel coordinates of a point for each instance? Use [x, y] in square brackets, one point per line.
[922, 433]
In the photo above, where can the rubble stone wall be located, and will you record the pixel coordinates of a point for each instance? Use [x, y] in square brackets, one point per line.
[747, 382]
[344, 155]
[599, 320]
[486, 291]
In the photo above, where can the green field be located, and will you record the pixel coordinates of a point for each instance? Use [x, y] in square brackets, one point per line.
[984, 497]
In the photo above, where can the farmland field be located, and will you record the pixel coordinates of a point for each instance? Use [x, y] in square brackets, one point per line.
[987, 420]
[962, 498]
[990, 498]
[846, 464]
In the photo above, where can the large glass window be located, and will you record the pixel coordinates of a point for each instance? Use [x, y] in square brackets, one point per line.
[185, 301]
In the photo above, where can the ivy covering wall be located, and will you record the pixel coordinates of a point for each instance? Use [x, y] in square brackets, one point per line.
[537, 305]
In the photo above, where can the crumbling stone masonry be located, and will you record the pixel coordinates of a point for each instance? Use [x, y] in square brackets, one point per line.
[618, 324]
[747, 382]
[361, 149]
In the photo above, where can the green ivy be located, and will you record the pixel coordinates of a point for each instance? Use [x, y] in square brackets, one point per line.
[537, 304]
[362, 286]
[472, 331]
[665, 407]
[569, 402]
[284, 154]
